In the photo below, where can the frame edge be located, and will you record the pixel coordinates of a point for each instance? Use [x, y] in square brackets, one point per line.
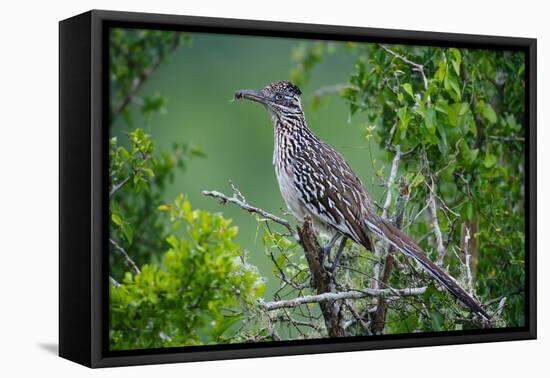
[75, 276]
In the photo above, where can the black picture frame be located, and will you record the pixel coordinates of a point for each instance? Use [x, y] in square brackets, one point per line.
[84, 200]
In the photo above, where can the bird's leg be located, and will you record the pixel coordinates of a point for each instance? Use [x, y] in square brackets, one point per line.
[337, 257]
[326, 249]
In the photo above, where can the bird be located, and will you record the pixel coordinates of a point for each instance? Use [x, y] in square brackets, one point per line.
[316, 181]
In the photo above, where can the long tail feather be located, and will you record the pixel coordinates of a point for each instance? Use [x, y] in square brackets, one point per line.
[406, 245]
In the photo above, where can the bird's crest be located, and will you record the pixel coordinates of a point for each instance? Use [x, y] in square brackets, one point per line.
[284, 86]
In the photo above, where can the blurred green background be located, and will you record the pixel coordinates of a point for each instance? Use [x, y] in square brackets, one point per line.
[199, 79]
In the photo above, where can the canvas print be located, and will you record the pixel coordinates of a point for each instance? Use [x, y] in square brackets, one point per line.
[270, 189]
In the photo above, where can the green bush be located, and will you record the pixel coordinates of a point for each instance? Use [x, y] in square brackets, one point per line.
[195, 296]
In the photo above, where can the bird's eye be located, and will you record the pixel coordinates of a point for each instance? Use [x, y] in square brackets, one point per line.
[278, 96]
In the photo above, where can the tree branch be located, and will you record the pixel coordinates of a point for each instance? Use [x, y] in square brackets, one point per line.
[238, 200]
[465, 244]
[313, 252]
[416, 67]
[432, 206]
[386, 206]
[118, 186]
[114, 282]
[123, 252]
[358, 318]
[321, 278]
[379, 318]
[391, 179]
[344, 295]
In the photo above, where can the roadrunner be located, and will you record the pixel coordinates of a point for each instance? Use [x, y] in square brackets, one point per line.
[315, 180]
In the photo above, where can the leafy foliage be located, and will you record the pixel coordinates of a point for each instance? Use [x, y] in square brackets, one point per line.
[144, 300]
[181, 303]
[138, 173]
[139, 177]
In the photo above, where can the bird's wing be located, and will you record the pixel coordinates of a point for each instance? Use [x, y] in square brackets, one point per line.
[339, 199]
[331, 190]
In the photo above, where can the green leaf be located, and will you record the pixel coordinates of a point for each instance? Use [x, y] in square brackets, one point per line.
[452, 87]
[430, 120]
[418, 179]
[408, 88]
[173, 241]
[404, 119]
[127, 231]
[489, 113]
[456, 60]
[489, 160]
[441, 72]
[116, 218]
[452, 115]
[436, 321]
[442, 144]
[469, 155]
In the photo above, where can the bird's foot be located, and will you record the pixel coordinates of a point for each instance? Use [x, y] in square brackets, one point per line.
[325, 250]
[325, 253]
[328, 267]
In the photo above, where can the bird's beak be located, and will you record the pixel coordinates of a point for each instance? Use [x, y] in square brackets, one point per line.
[252, 95]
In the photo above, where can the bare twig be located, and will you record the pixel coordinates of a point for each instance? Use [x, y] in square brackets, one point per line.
[123, 252]
[114, 282]
[308, 240]
[387, 203]
[441, 250]
[118, 186]
[506, 138]
[466, 251]
[297, 323]
[283, 276]
[353, 294]
[391, 179]
[432, 206]
[379, 318]
[500, 307]
[251, 209]
[416, 67]
[358, 318]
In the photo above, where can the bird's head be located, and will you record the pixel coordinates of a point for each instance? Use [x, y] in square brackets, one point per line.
[281, 97]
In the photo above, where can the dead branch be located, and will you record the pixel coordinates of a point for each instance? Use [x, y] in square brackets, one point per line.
[387, 203]
[321, 279]
[344, 295]
[238, 200]
[467, 257]
[114, 282]
[118, 186]
[127, 257]
[379, 318]
[308, 240]
[432, 206]
[391, 179]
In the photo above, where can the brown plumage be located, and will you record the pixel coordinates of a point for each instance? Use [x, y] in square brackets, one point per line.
[315, 180]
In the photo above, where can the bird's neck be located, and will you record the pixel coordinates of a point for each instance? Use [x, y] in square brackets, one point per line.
[292, 135]
[292, 125]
